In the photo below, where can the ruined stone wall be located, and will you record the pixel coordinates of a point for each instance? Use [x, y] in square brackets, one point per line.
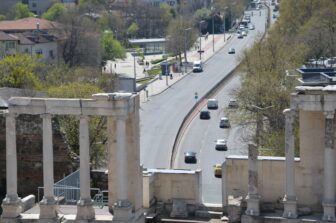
[29, 154]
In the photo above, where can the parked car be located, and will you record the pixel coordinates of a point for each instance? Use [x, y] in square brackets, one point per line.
[221, 145]
[218, 170]
[240, 36]
[190, 157]
[212, 103]
[244, 33]
[251, 27]
[224, 123]
[233, 103]
[197, 66]
[204, 114]
[232, 51]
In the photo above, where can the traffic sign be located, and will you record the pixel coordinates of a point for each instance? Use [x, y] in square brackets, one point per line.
[200, 51]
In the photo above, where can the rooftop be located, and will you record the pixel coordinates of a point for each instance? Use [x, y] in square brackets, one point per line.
[27, 24]
[317, 76]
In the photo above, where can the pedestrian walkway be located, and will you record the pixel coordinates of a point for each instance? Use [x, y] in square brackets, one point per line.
[158, 86]
[131, 68]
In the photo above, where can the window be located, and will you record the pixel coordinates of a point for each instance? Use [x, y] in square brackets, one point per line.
[26, 50]
[39, 52]
[34, 5]
[51, 54]
[10, 45]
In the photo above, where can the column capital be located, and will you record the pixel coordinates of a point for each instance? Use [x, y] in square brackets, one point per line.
[84, 117]
[46, 115]
[121, 118]
[10, 115]
[329, 114]
[290, 112]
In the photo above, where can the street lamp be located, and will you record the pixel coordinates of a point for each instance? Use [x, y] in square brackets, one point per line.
[134, 54]
[200, 38]
[185, 49]
[224, 14]
[213, 29]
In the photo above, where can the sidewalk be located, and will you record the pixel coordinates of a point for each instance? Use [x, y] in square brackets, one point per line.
[157, 86]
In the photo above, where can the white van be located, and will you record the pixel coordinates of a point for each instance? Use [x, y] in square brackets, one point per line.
[197, 66]
[212, 103]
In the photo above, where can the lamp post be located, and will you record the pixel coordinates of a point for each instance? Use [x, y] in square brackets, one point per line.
[213, 33]
[224, 14]
[134, 64]
[185, 49]
[200, 39]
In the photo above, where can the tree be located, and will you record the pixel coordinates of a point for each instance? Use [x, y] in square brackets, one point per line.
[133, 29]
[180, 36]
[19, 11]
[111, 47]
[70, 125]
[19, 71]
[55, 12]
[82, 40]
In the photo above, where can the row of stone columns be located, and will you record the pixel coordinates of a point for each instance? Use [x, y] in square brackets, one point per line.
[12, 206]
[290, 199]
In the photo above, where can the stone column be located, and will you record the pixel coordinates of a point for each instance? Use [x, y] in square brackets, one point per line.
[123, 207]
[85, 210]
[252, 197]
[329, 168]
[290, 206]
[48, 205]
[11, 205]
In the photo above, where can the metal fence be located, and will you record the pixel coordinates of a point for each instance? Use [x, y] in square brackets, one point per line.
[68, 190]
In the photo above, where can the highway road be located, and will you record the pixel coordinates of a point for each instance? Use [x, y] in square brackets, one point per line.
[201, 135]
[161, 117]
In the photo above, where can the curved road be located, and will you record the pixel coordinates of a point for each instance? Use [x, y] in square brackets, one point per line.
[201, 135]
[161, 117]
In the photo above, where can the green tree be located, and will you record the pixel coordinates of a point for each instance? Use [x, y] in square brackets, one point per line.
[202, 14]
[168, 13]
[19, 11]
[111, 47]
[2, 17]
[55, 12]
[133, 29]
[180, 36]
[19, 71]
[70, 125]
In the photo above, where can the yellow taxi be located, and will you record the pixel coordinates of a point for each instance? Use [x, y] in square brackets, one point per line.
[218, 170]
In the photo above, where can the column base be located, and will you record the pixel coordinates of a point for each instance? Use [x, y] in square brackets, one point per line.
[328, 211]
[11, 207]
[290, 207]
[253, 207]
[48, 208]
[85, 210]
[123, 212]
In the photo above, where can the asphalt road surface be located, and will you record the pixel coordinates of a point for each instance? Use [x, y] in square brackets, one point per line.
[161, 117]
[201, 135]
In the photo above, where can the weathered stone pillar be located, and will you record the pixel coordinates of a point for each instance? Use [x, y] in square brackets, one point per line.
[85, 210]
[290, 206]
[252, 197]
[48, 205]
[329, 168]
[122, 211]
[11, 205]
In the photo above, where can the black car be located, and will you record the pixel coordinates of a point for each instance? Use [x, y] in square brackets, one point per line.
[205, 114]
[190, 157]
